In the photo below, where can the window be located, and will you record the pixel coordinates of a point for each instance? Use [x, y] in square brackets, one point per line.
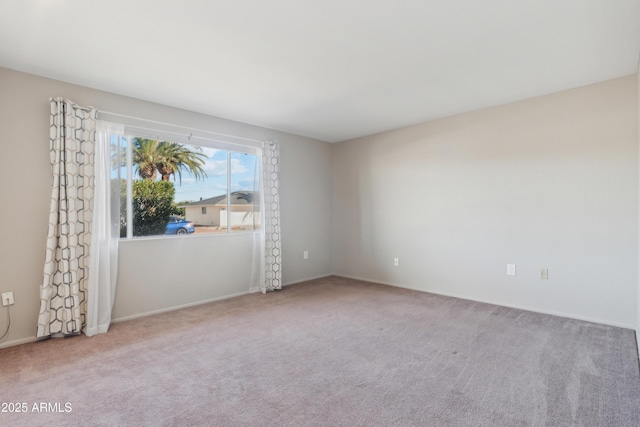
[175, 188]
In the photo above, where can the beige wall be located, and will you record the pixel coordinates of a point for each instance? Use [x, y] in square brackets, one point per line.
[242, 217]
[155, 274]
[194, 213]
[550, 182]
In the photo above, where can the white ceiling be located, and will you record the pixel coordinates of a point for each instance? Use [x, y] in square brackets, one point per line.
[328, 69]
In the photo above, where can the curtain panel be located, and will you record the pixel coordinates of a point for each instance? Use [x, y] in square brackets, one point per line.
[64, 287]
[105, 232]
[266, 273]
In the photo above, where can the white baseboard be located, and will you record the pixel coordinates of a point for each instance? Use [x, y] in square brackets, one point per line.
[176, 307]
[18, 342]
[193, 304]
[308, 279]
[500, 303]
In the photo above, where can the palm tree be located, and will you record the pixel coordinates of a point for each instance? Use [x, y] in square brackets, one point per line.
[176, 157]
[151, 156]
[145, 156]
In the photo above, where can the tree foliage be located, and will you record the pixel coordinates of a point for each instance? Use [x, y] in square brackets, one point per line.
[145, 155]
[152, 206]
[151, 157]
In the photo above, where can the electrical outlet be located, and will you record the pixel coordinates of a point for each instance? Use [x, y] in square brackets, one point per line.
[544, 273]
[305, 255]
[7, 299]
[511, 269]
[396, 262]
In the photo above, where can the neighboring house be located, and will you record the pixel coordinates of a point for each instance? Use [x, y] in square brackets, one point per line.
[245, 212]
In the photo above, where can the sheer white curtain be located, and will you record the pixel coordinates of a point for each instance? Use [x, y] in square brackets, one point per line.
[105, 232]
[266, 271]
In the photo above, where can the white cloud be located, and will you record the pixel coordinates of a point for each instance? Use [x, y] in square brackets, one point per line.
[209, 152]
[219, 167]
[249, 185]
[216, 167]
[237, 166]
[186, 180]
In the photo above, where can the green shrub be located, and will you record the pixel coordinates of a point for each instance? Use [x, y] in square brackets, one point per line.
[152, 207]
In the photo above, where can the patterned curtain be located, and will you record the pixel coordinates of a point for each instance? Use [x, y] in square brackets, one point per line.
[271, 190]
[266, 273]
[63, 291]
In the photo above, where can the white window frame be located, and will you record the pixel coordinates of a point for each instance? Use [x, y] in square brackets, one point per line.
[143, 128]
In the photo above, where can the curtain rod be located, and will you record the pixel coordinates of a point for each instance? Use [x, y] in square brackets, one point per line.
[191, 130]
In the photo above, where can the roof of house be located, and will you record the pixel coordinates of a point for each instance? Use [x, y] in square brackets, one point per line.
[237, 198]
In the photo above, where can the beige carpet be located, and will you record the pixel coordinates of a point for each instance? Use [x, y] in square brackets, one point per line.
[331, 352]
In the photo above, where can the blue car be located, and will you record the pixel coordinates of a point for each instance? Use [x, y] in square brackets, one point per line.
[178, 225]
